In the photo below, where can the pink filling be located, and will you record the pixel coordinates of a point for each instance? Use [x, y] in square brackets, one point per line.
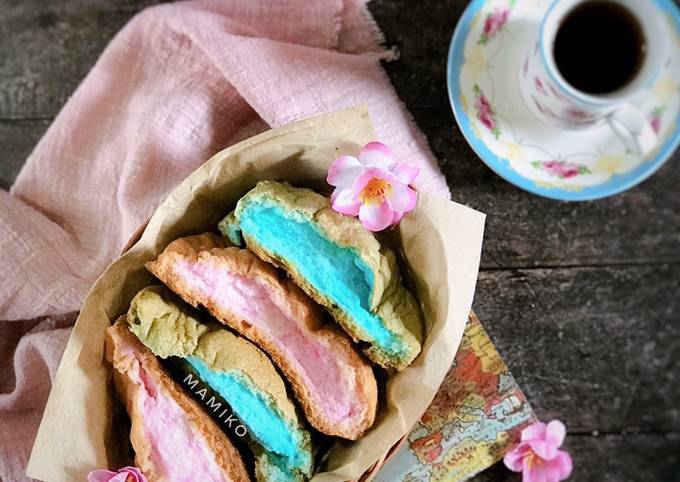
[251, 301]
[178, 452]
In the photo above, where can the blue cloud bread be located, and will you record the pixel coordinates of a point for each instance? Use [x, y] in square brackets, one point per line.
[337, 262]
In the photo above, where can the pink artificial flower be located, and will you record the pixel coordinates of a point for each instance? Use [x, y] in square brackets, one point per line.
[126, 474]
[538, 456]
[495, 21]
[373, 186]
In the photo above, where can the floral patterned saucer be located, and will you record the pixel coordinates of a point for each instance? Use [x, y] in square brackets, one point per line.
[488, 45]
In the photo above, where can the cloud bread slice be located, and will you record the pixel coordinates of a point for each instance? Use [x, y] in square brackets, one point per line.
[231, 366]
[336, 262]
[335, 386]
[173, 438]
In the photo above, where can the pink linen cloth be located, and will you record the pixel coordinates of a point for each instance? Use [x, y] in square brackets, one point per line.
[177, 84]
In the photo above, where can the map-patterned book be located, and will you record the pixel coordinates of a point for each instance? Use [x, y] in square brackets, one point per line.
[476, 416]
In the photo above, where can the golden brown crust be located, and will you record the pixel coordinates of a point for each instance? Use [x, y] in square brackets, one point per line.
[120, 340]
[209, 248]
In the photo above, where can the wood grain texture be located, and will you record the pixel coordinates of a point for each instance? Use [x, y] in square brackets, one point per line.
[17, 139]
[581, 299]
[598, 347]
[641, 457]
[46, 48]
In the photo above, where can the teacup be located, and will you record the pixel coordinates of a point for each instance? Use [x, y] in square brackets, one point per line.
[576, 77]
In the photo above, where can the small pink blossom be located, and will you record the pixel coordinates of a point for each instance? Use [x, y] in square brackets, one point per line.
[483, 103]
[561, 169]
[373, 186]
[655, 118]
[487, 119]
[126, 474]
[539, 85]
[495, 21]
[578, 114]
[538, 456]
[485, 112]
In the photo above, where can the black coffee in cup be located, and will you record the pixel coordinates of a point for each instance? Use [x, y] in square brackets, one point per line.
[599, 47]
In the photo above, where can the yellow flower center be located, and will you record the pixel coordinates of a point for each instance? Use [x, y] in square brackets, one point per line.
[375, 191]
[532, 459]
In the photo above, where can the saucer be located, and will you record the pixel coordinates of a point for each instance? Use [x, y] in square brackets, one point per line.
[486, 50]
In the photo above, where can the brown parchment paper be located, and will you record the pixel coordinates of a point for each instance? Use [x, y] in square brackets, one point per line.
[441, 243]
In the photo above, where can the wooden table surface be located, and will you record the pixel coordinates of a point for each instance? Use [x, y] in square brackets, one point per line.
[582, 300]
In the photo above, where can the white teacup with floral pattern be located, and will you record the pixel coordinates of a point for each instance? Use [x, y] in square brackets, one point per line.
[551, 98]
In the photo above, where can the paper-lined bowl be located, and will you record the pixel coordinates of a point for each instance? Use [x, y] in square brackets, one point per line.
[440, 243]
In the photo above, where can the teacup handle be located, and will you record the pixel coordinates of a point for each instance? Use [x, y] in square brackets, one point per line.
[633, 128]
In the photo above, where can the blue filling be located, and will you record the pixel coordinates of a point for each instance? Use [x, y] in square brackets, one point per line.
[337, 272]
[255, 412]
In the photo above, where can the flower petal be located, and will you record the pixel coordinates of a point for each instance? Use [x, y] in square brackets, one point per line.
[361, 181]
[343, 171]
[543, 449]
[368, 175]
[535, 431]
[344, 202]
[135, 472]
[555, 432]
[564, 464]
[101, 475]
[406, 173]
[513, 458]
[121, 476]
[376, 154]
[539, 473]
[375, 216]
[529, 475]
[397, 217]
[551, 471]
[402, 197]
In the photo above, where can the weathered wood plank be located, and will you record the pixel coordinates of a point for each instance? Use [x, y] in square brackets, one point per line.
[648, 457]
[17, 139]
[642, 225]
[46, 48]
[596, 347]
